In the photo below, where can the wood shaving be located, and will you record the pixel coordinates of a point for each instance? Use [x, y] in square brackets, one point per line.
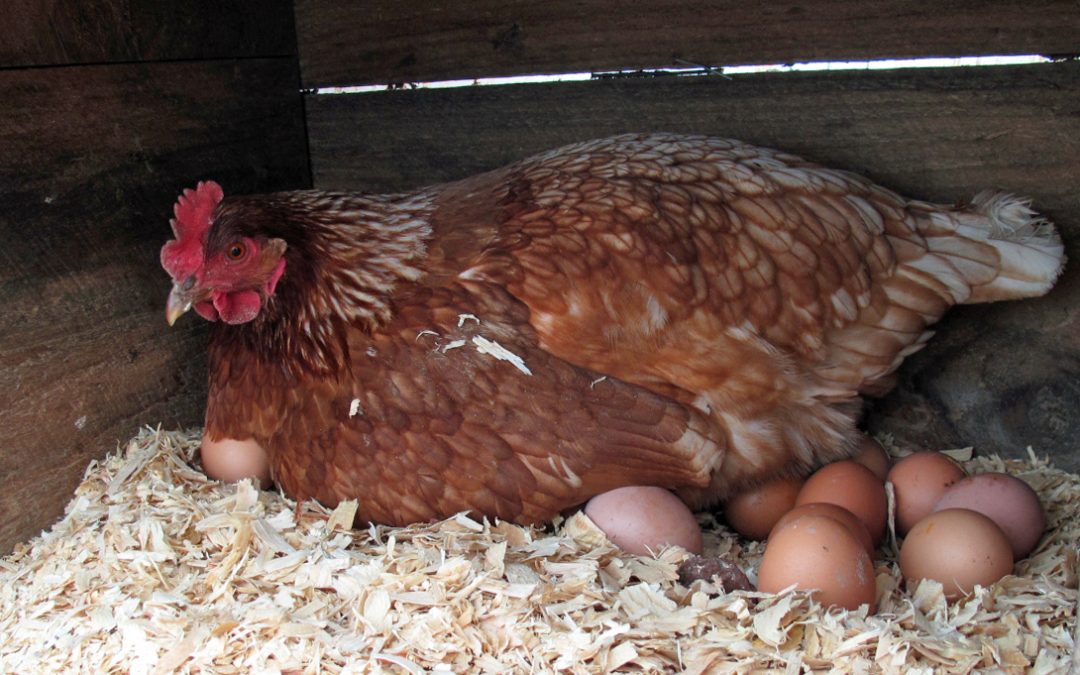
[155, 569]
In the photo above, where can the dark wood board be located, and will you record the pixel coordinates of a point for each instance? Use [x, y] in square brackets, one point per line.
[390, 41]
[66, 32]
[1000, 377]
[91, 162]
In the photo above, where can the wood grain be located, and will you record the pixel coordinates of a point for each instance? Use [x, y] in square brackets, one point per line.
[91, 161]
[65, 32]
[1000, 376]
[390, 41]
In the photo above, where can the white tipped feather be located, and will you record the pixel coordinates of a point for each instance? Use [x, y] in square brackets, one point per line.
[1012, 218]
[1032, 255]
[998, 246]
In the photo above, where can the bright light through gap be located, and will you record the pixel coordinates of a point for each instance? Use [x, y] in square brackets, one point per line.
[884, 64]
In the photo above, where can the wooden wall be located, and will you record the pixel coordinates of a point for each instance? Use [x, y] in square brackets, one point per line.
[382, 41]
[108, 108]
[999, 377]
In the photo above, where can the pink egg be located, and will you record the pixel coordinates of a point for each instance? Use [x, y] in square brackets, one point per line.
[1004, 499]
[642, 520]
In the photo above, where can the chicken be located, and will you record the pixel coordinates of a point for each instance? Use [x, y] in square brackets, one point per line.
[680, 311]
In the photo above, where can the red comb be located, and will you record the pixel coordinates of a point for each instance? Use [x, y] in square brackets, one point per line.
[194, 208]
[183, 256]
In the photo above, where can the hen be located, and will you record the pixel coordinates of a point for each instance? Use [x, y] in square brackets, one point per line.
[681, 311]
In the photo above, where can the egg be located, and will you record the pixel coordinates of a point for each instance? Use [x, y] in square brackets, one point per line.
[918, 481]
[837, 513]
[853, 487]
[1004, 499]
[642, 520]
[816, 552]
[229, 459]
[958, 547]
[754, 513]
[871, 455]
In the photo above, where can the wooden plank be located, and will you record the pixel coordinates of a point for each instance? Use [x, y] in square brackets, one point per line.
[390, 41]
[65, 32]
[1001, 376]
[91, 161]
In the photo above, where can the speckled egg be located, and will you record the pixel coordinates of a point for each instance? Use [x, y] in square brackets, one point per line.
[837, 513]
[1004, 499]
[958, 547]
[816, 552]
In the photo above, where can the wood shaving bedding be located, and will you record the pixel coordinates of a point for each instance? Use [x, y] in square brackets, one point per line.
[157, 569]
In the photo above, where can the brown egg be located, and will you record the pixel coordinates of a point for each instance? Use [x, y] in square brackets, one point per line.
[231, 460]
[958, 547]
[871, 455]
[919, 480]
[837, 513]
[853, 487]
[815, 552]
[642, 520]
[1004, 499]
[754, 513]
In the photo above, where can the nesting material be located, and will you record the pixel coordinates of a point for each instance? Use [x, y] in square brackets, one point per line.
[157, 569]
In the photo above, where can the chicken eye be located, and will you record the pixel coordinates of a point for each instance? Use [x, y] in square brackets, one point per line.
[237, 251]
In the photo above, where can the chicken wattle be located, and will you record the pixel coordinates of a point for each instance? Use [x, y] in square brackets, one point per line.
[680, 311]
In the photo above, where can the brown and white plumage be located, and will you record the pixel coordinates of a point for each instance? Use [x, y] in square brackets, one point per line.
[682, 311]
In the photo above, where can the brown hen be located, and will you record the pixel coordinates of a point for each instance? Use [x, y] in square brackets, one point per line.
[680, 311]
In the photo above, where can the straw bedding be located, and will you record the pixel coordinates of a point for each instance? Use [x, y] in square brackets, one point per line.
[157, 569]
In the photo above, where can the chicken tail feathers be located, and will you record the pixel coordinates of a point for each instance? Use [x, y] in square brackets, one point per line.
[1032, 255]
[994, 248]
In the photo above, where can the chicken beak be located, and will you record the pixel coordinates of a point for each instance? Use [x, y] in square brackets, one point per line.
[178, 304]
